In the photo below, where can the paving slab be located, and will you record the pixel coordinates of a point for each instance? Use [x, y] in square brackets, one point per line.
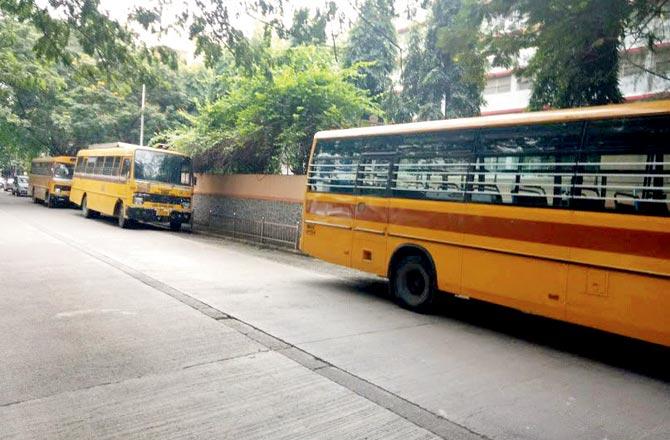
[263, 396]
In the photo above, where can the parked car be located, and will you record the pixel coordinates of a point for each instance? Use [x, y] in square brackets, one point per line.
[20, 187]
[2, 183]
[9, 184]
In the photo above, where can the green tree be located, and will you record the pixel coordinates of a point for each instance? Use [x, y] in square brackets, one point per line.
[310, 30]
[56, 108]
[265, 122]
[444, 73]
[373, 47]
[577, 44]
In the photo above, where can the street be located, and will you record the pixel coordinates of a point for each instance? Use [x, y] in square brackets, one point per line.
[145, 333]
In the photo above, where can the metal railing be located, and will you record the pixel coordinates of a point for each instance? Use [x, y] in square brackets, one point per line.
[258, 231]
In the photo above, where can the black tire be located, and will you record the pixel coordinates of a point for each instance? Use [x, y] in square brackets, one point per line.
[121, 219]
[175, 225]
[413, 283]
[49, 201]
[87, 213]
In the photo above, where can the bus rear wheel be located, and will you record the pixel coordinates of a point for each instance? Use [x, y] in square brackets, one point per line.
[413, 283]
[175, 225]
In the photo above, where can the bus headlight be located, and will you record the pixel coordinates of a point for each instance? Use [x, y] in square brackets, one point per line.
[57, 190]
[186, 203]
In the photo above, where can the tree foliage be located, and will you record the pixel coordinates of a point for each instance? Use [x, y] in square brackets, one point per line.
[443, 76]
[309, 29]
[266, 122]
[53, 107]
[578, 45]
[373, 47]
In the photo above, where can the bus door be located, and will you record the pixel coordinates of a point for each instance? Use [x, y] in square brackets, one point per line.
[371, 213]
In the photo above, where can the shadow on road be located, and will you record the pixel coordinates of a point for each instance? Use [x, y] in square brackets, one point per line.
[617, 351]
[141, 226]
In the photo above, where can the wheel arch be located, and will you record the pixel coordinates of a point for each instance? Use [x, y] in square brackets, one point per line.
[117, 206]
[407, 249]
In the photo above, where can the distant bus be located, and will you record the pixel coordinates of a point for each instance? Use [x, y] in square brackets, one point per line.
[51, 179]
[134, 184]
[562, 214]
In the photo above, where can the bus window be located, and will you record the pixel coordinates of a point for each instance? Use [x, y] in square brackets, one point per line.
[527, 165]
[433, 166]
[107, 166]
[125, 170]
[90, 165]
[115, 166]
[623, 167]
[80, 165]
[333, 167]
[62, 171]
[99, 163]
[373, 175]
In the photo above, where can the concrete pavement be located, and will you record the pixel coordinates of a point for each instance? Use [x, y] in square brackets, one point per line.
[145, 333]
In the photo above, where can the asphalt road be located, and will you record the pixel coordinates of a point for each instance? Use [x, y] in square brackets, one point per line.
[144, 333]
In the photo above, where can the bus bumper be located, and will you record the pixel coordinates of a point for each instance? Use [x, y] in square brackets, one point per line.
[61, 198]
[149, 215]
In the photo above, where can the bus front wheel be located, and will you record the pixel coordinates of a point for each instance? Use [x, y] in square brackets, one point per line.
[49, 201]
[123, 221]
[88, 213]
[413, 283]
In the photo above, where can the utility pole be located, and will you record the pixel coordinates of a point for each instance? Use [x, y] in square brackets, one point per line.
[142, 116]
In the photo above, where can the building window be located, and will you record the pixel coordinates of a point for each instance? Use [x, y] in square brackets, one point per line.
[662, 62]
[630, 63]
[501, 84]
[523, 83]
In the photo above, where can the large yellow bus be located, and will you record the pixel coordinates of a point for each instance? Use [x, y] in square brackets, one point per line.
[562, 213]
[134, 184]
[50, 180]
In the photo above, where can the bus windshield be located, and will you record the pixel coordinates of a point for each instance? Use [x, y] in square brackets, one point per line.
[63, 171]
[162, 167]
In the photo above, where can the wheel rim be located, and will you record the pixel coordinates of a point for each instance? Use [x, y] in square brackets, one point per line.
[414, 284]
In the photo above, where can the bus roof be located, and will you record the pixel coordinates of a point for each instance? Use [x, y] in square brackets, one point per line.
[110, 145]
[563, 115]
[120, 148]
[60, 159]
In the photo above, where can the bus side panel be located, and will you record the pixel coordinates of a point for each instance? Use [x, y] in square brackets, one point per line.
[109, 196]
[97, 198]
[327, 232]
[619, 302]
[528, 284]
[76, 193]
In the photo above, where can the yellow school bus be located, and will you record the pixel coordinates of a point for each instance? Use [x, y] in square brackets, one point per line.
[134, 184]
[50, 180]
[562, 214]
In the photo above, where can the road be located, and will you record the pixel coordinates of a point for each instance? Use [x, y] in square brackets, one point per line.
[144, 333]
